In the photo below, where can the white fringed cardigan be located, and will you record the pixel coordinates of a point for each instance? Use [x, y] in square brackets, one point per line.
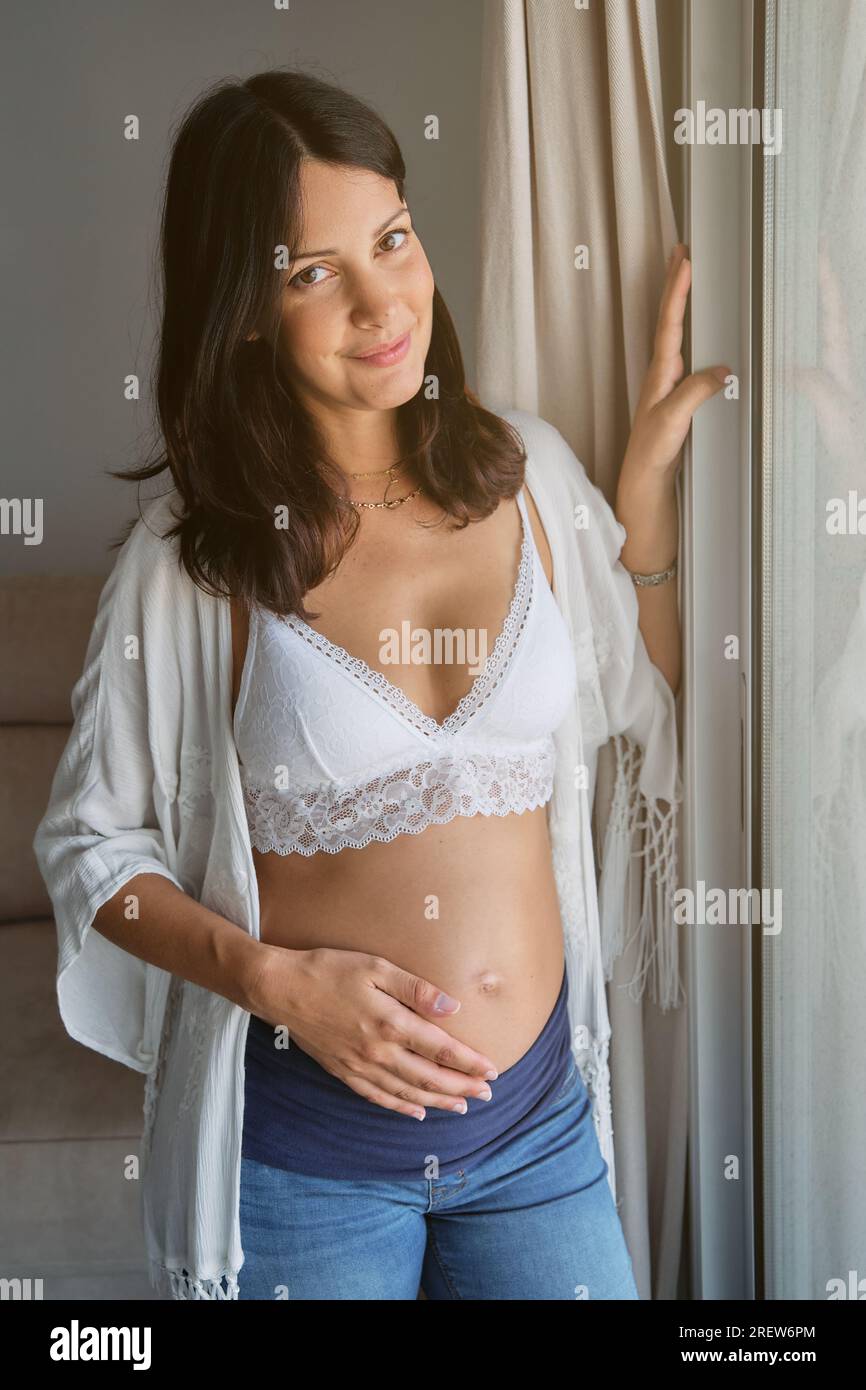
[149, 782]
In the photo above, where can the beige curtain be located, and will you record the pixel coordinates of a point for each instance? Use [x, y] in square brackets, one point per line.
[573, 155]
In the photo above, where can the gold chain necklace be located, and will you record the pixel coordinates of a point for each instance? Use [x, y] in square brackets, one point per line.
[395, 502]
[390, 472]
[380, 472]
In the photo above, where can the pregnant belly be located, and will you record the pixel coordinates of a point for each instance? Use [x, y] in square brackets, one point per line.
[470, 906]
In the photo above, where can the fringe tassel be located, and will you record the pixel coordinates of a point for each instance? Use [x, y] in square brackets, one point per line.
[179, 1285]
[631, 814]
[594, 1068]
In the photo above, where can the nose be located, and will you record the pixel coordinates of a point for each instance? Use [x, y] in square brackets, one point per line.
[374, 304]
[381, 316]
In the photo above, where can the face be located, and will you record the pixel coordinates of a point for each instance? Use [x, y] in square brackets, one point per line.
[370, 285]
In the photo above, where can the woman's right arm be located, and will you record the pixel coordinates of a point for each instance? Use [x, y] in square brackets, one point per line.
[363, 1018]
[156, 921]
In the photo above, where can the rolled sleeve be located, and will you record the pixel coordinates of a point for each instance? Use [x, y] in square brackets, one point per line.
[106, 819]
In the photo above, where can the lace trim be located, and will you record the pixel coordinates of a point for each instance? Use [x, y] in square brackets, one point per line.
[485, 683]
[404, 802]
[594, 1067]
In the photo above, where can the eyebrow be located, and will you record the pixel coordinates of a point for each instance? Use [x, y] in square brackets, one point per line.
[332, 251]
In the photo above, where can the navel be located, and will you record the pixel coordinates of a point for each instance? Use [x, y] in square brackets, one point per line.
[489, 982]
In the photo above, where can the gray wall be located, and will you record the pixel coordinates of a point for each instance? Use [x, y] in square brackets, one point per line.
[81, 210]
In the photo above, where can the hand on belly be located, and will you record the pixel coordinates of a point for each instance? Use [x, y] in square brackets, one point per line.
[370, 1023]
[470, 907]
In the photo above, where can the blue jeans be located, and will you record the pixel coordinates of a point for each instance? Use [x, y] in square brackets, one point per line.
[535, 1220]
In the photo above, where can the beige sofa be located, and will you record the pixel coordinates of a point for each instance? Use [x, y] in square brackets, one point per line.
[68, 1116]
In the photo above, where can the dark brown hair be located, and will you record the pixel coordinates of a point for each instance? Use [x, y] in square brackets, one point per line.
[235, 437]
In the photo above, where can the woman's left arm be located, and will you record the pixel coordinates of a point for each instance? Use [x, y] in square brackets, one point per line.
[646, 501]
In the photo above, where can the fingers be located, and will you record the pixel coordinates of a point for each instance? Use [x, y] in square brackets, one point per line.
[365, 1088]
[666, 366]
[416, 993]
[420, 997]
[405, 1082]
[407, 1039]
[672, 308]
[399, 1063]
[697, 388]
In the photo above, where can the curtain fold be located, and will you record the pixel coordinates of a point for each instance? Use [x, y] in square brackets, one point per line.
[577, 223]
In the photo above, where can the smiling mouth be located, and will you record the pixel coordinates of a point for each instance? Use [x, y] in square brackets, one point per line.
[388, 353]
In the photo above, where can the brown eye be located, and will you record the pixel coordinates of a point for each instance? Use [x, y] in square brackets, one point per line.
[298, 283]
[398, 231]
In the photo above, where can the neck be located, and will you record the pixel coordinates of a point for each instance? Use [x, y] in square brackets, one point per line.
[361, 441]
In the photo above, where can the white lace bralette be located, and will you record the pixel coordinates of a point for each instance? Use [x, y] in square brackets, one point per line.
[334, 755]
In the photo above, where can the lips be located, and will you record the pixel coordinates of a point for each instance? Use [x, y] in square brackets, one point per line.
[383, 349]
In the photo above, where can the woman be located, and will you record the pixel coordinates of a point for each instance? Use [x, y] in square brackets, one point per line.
[357, 510]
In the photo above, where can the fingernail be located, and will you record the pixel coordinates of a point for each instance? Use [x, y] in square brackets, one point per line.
[445, 1004]
[490, 1075]
[486, 1094]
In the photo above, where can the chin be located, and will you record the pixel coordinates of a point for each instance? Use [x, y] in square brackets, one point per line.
[411, 388]
[397, 392]
[394, 397]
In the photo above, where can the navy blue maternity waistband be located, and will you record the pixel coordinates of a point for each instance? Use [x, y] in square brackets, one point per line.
[299, 1117]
